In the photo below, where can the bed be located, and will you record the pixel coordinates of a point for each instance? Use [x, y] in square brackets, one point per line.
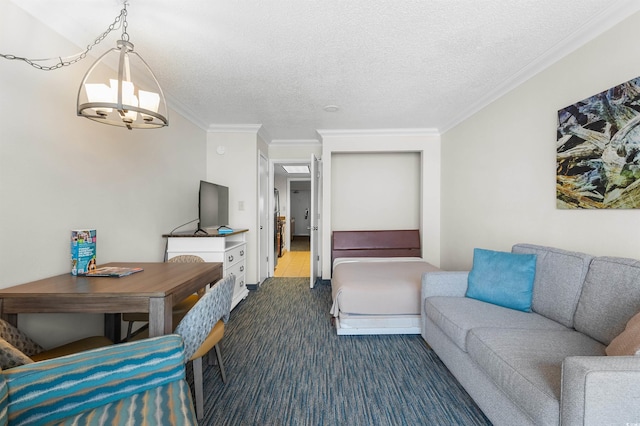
[376, 281]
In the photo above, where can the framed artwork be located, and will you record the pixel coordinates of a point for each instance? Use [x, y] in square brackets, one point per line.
[598, 151]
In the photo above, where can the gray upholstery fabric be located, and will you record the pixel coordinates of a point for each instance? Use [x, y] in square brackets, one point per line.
[558, 283]
[444, 283]
[456, 316]
[526, 364]
[600, 390]
[199, 321]
[610, 297]
[526, 368]
[493, 402]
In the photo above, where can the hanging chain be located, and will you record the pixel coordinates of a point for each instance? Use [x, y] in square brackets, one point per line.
[70, 60]
[125, 34]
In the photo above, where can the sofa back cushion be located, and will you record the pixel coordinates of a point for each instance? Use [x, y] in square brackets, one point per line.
[610, 297]
[558, 281]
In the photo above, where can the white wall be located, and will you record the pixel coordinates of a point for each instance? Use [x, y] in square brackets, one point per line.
[60, 172]
[237, 168]
[424, 142]
[498, 167]
[294, 151]
[375, 191]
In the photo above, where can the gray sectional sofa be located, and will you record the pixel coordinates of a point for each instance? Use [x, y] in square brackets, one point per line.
[547, 366]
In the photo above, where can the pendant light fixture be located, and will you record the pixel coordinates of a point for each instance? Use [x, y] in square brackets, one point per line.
[129, 97]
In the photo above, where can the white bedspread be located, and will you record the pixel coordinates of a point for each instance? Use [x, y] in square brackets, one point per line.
[378, 286]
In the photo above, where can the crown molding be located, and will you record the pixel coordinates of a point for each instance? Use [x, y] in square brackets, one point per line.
[307, 142]
[185, 111]
[589, 31]
[379, 132]
[234, 128]
[266, 137]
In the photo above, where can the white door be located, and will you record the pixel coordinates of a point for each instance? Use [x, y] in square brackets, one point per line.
[264, 218]
[314, 230]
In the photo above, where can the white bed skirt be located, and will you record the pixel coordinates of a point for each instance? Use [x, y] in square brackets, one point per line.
[378, 324]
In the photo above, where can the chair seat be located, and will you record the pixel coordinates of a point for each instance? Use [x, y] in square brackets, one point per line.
[73, 347]
[214, 337]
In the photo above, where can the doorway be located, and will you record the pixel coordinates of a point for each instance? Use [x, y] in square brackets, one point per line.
[295, 204]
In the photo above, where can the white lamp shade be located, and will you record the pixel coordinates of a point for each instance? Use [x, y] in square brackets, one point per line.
[99, 93]
[149, 100]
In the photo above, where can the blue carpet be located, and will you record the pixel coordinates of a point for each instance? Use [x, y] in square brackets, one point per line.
[285, 365]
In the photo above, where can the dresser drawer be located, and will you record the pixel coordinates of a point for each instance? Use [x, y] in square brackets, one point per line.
[240, 284]
[233, 256]
[237, 269]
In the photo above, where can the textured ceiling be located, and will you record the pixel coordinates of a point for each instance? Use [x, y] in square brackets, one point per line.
[385, 64]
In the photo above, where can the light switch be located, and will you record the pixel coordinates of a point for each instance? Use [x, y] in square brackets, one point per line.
[241, 205]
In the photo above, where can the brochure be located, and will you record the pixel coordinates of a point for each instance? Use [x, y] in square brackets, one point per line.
[83, 251]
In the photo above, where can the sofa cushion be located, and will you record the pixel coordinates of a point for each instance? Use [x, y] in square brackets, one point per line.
[558, 282]
[527, 364]
[456, 316]
[504, 279]
[77, 383]
[169, 404]
[610, 297]
[627, 343]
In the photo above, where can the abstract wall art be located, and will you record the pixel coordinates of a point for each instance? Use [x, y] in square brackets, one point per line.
[598, 151]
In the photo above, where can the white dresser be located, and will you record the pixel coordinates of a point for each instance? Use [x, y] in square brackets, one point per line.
[229, 249]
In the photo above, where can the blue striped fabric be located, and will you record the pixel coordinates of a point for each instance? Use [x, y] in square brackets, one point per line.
[164, 405]
[123, 375]
[4, 402]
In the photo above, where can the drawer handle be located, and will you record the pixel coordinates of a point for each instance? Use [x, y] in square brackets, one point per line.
[242, 268]
[241, 252]
[230, 258]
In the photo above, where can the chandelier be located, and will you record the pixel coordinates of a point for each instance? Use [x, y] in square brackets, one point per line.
[129, 97]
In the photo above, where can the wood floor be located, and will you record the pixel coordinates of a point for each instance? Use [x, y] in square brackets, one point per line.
[294, 264]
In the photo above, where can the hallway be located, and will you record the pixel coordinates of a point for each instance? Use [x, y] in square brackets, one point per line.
[293, 264]
[297, 262]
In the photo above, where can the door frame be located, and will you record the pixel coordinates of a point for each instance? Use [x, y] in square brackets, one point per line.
[272, 180]
[264, 271]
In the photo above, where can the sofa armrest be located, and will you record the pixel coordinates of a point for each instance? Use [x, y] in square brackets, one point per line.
[444, 283]
[600, 390]
[51, 390]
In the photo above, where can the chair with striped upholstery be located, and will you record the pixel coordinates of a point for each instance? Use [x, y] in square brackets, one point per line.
[203, 328]
[140, 382]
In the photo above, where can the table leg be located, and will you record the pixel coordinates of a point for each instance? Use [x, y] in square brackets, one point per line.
[11, 319]
[160, 316]
[112, 327]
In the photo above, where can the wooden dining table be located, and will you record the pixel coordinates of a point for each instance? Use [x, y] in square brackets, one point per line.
[154, 290]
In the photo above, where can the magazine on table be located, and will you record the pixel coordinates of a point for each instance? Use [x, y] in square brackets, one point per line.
[113, 271]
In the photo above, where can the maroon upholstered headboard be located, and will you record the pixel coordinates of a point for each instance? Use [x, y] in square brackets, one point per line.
[397, 243]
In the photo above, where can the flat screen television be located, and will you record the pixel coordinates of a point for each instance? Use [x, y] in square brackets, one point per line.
[213, 206]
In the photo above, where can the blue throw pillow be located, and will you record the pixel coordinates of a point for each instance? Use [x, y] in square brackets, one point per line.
[501, 278]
